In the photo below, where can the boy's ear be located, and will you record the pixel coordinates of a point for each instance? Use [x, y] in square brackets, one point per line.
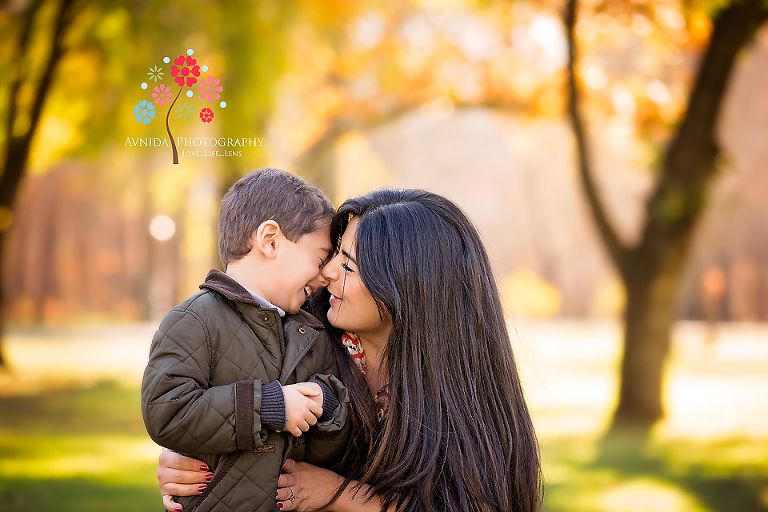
[266, 238]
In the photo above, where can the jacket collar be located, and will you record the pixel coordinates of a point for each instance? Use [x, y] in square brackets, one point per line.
[220, 282]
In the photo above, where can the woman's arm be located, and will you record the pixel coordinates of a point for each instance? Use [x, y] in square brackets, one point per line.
[180, 476]
[313, 487]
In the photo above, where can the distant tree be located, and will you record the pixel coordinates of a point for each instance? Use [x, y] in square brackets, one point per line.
[23, 117]
[652, 269]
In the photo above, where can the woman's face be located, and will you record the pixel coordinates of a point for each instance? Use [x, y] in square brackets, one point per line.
[352, 306]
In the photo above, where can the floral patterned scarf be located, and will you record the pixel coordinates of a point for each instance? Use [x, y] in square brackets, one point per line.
[355, 348]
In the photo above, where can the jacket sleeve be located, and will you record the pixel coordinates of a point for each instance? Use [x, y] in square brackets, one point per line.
[326, 441]
[181, 411]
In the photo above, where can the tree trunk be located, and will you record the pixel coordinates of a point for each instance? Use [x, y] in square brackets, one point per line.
[3, 362]
[652, 270]
[318, 164]
[9, 184]
[648, 318]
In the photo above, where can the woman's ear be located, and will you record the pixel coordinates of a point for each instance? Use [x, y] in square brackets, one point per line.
[266, 238]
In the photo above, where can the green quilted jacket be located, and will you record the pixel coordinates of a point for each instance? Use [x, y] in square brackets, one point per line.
[201, 391]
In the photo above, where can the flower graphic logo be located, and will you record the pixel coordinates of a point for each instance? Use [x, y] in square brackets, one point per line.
[145, 112]
[185, 111]
[185, 72]
[184, 68]
[155, 73]
[206, 115]
[162, 95]
[210, 89]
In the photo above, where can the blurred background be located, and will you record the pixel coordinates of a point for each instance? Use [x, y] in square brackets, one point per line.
[647, 381]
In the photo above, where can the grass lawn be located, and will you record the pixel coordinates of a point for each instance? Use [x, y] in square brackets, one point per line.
[685, 476]
[78, 444]
[76, 448]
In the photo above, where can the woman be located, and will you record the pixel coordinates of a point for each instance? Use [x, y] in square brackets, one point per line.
[439, 418]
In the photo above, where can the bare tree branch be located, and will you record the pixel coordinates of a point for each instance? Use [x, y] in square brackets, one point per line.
[17, 76]
[615, 248]
[688, 168]
[17, 152]
[732, 30]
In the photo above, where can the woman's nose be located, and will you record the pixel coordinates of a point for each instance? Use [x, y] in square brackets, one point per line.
[328, 273]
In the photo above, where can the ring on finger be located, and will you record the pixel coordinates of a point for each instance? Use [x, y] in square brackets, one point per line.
[293, 495]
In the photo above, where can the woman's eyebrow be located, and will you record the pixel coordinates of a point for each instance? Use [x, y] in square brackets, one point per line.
[351, 258]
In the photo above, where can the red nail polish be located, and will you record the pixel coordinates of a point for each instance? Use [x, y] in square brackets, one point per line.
[203, 468]
[279, 505]
[276, 493]
[201, 488]
[209, 477]
[179, 508]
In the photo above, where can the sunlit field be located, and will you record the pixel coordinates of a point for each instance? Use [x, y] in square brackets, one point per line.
[72, 439]
[710, 453]
[71, 434]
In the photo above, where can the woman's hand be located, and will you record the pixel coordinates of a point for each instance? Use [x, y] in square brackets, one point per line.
[180, 476]
[312, 486]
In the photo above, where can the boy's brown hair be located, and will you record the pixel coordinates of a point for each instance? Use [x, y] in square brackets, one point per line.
[268, 194]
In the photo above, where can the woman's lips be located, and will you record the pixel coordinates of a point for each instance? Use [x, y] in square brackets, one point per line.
[334, 300]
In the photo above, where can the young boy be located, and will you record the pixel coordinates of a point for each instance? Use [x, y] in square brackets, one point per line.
[227, 375]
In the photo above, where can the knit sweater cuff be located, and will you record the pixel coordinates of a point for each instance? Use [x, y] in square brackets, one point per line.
[330, 402]
[273, 413]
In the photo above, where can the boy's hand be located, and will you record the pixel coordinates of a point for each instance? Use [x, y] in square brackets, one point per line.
[318, 399]
[302, 407]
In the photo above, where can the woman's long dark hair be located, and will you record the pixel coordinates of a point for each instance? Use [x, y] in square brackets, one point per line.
[458, 435]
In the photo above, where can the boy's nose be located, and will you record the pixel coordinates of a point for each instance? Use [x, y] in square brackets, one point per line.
[318, 282]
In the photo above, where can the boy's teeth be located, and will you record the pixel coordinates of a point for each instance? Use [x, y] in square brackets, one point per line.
[307, 290]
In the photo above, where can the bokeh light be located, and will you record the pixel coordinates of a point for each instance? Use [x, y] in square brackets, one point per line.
[162, 227]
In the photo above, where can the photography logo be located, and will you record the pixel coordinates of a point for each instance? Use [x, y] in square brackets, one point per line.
[184, 73]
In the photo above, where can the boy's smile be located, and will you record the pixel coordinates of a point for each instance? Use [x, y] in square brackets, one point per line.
[296, 274]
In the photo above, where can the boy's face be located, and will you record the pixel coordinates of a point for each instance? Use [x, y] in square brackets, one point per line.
[297, 273]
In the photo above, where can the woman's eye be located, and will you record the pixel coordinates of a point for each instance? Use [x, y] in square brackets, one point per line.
[347, 267]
